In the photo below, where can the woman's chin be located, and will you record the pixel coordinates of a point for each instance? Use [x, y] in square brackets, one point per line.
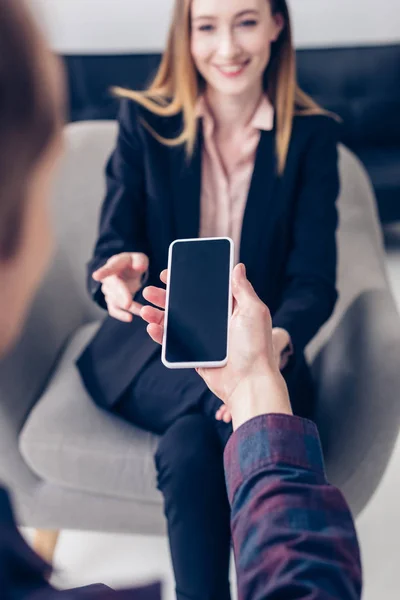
[233, 89]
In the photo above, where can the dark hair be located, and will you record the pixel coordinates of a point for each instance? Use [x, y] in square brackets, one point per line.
[27, 117]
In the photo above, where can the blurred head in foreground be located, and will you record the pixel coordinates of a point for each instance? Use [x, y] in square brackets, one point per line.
[31, 119]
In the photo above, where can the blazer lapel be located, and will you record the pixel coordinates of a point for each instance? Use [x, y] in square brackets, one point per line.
[260, 208]
[186, 190]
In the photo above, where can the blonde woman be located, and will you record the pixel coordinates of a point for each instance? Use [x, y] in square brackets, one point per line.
[222, 143]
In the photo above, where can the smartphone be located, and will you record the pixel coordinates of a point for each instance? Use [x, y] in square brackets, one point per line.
[198, 304]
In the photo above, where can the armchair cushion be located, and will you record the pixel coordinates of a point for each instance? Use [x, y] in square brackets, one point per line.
[68, 441]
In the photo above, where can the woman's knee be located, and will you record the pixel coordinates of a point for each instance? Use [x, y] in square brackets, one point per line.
[189, 453]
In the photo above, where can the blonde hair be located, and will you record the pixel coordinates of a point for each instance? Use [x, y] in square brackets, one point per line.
[177, 84]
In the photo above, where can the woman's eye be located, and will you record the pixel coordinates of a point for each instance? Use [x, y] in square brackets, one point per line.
[205, 28]
[248, 23]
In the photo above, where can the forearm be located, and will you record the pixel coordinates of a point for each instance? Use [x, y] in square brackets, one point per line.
[260, 395]
[292, 532]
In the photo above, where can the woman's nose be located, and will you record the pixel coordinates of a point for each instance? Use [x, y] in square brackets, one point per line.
[227, 46]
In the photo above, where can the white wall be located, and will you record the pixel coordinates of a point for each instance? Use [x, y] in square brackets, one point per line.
[345, 22]
[79, 26]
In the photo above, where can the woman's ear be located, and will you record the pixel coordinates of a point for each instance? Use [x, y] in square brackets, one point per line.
[277, 27]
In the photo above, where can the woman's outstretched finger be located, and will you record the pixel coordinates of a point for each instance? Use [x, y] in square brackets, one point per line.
[152, 315]
[118, 313]
[135, 308]
[156, 332]
[155, 295]
[111, 267]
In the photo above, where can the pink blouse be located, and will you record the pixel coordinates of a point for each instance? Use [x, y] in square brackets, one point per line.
[224, 194]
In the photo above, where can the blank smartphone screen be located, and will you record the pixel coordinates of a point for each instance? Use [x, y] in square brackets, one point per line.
[199, 288]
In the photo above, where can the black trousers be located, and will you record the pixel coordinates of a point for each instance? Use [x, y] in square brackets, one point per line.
[177, 405]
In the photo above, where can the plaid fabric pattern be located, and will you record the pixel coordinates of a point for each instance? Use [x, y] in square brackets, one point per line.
[293, 533]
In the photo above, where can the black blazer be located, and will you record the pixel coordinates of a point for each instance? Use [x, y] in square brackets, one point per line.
[288, 238]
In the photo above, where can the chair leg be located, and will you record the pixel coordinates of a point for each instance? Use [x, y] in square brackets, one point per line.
[45, 543]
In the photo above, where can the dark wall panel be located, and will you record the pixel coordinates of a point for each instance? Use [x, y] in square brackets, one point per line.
[362, 85]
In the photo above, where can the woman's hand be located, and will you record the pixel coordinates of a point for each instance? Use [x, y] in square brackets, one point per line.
[281, 341]
[251, 382]
[121, 278]
[223, 414]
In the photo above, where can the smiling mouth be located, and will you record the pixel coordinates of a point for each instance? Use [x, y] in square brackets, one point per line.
[233, 70]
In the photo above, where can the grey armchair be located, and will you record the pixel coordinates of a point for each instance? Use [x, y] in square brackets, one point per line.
[72, 466]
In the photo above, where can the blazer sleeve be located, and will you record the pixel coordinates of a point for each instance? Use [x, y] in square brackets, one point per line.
[122, 220]
[309, 291]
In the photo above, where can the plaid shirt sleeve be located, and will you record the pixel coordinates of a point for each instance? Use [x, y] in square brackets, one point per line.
[293, 533]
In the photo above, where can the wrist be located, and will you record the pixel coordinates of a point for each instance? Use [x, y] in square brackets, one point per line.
[258, 395]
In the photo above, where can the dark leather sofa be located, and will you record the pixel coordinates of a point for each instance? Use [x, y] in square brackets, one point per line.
[362, 85]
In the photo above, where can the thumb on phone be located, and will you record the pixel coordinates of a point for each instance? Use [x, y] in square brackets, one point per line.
[242, 290]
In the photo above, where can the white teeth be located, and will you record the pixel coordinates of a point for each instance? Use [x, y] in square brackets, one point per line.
[232, 69]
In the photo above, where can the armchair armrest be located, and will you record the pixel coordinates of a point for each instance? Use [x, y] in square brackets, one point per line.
[358, 382]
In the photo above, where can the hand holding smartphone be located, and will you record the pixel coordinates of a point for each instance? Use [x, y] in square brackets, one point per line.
[198, 304]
